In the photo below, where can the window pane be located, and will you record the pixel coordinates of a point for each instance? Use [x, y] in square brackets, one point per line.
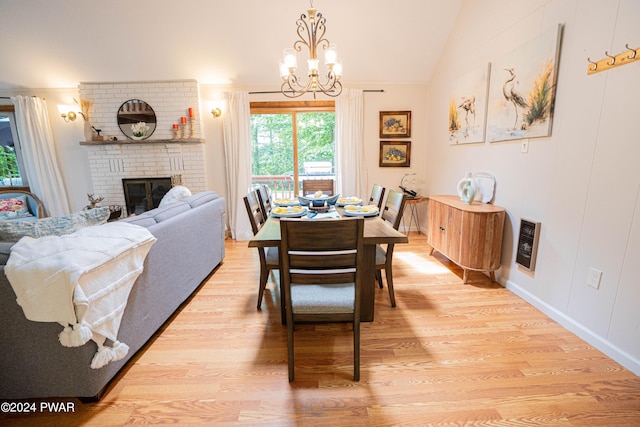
[316, 145]
[272, 151]
[9, 165]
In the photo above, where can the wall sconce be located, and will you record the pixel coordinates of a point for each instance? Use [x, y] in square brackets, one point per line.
[217, 112]
[69, 117]
[67, 113]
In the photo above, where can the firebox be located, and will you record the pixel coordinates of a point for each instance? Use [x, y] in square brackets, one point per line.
[143, 194]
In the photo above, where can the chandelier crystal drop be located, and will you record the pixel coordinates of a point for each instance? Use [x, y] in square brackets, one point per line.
[311, 30]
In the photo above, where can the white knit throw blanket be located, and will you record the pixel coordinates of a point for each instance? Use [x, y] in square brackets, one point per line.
[81, 280]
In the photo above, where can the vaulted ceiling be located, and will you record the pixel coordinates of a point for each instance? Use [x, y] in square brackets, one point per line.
[58, 44]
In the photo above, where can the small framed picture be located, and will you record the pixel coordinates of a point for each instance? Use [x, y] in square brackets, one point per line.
[395, 124]
[395, 154]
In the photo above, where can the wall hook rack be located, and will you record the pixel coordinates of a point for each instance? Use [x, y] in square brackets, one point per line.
[611, 61]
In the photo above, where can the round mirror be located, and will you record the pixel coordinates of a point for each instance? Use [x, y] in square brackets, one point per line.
[136, 119]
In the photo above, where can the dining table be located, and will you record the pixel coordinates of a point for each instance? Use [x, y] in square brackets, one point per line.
[376, 231]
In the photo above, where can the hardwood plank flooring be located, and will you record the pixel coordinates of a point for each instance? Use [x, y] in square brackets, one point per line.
[448, 355]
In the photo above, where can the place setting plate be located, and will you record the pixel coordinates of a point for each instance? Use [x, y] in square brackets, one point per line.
[288, 211]
[286, 202]
[357, 210]
[347, 201]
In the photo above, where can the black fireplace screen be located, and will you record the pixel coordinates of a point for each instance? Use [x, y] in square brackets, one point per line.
[143, 194]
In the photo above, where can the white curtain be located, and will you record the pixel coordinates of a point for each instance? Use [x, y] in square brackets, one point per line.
[351, 171]
[236, 125]
[39, 154]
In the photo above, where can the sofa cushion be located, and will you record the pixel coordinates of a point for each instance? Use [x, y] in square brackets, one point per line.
[176, 194]
[141, 220]
[200, 198]
[169, 211]
[12, 231]
[14, 207]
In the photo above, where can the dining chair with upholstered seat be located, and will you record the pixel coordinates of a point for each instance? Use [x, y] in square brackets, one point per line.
[269, 258]
[264, 197]
[392, 213]
[310, 186]
[377, 194]
[321, 276]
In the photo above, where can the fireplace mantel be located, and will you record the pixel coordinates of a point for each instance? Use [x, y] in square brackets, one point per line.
[145, 141]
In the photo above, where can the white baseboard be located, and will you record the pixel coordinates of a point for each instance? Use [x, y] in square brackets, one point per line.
[620, 356]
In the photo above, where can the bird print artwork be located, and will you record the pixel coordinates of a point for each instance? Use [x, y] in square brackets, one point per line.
[511, 94]
[467, 107]
[522, 92]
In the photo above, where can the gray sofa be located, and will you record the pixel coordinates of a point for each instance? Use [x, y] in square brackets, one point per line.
[190, 245]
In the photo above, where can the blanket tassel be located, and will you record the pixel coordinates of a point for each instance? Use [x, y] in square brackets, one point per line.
[120, 350]
[75, 336]
[103, 356]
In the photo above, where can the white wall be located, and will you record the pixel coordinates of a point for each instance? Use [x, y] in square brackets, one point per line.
[582, 183]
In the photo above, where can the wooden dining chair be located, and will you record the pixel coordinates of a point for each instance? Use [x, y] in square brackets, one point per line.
[269, 258]
[310, 186]
[392, 213]
[322, 276]
[264, 197]
[377, 194]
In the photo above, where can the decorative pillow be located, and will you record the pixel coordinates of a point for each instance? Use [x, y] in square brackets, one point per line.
[12, 231]
[14, 207]
[176, 194]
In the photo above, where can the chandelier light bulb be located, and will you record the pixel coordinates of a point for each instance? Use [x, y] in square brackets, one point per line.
[290, 60]
[313, 66]
[330, 55]
[284, 70]
[337, 69]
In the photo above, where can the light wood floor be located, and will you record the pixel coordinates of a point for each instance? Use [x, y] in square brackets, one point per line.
[448, 355]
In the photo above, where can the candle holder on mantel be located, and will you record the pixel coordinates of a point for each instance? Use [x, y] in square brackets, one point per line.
[176, 132]
[183, 130]
[192, 124]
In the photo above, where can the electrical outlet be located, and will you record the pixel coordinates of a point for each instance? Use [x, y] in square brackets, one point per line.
[524, 146]
[595, 277]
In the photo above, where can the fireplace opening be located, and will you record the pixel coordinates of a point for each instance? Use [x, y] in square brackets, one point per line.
[143, 194]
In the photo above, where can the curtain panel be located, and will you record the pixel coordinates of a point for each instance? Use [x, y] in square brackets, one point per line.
[39, 154]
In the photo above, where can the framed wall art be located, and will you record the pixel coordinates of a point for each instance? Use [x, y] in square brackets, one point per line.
[468, 107]
[395, 154]
[523, 87]
[395, 124]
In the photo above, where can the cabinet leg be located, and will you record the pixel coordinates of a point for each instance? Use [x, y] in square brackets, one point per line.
[429, 250]
[465, 275]
[492, 276]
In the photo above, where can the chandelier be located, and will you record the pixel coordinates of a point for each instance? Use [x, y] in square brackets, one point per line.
[311, 34]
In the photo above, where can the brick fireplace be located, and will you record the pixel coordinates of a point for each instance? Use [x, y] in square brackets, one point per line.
[160, 156]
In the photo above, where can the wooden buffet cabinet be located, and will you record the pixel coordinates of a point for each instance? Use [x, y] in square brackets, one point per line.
[469, 235]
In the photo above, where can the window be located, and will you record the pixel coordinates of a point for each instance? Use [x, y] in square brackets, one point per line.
[10, 156]
[292, 141]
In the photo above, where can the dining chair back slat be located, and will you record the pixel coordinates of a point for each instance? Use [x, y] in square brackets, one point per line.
[264, 198]
[310, 186]
[377, 195]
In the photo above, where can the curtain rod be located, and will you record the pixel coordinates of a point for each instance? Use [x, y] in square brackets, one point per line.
[279, 91]
[8, 97]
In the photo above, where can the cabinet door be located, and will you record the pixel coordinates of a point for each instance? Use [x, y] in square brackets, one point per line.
[454, 233]
[437, 225]
[481, 240]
